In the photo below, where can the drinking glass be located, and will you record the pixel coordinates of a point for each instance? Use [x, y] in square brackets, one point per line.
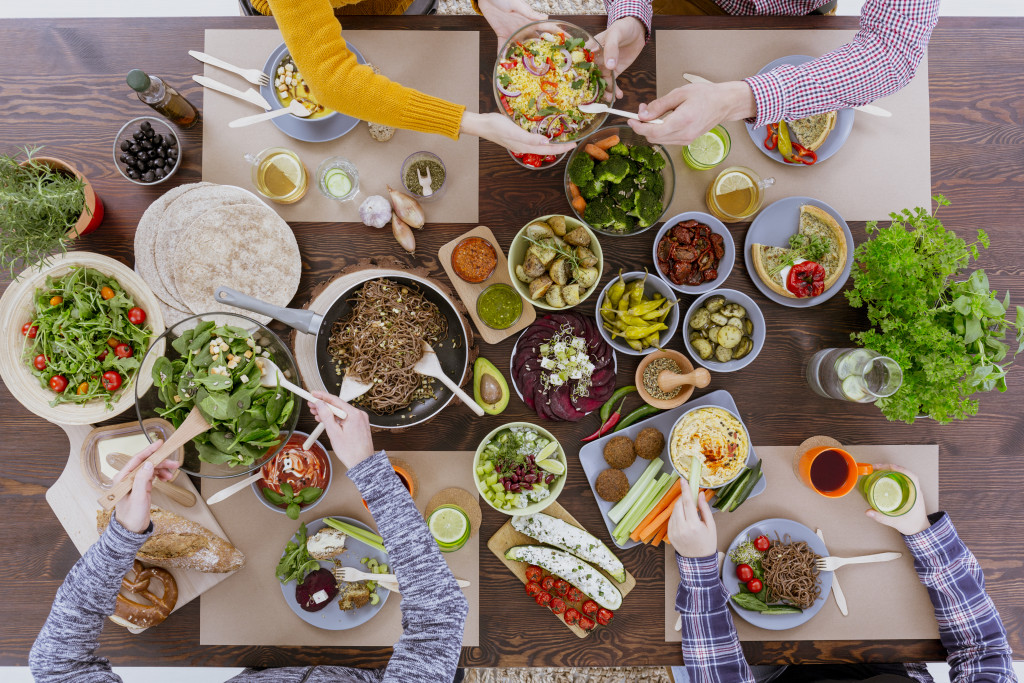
[279, 175]
[736, 194]
[858, 375]
[889, 492]
[338, 178]
[701, 156]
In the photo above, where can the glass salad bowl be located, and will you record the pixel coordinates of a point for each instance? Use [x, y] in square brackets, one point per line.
[250, 423]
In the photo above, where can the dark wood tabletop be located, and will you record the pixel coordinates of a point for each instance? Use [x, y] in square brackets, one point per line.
[62, 85]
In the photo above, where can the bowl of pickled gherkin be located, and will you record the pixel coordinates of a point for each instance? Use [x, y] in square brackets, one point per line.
[724, 330]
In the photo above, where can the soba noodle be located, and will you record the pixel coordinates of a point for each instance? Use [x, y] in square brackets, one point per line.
[382, 339]
[790, 573]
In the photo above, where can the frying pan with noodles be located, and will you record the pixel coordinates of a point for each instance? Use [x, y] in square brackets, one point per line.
[452, 352]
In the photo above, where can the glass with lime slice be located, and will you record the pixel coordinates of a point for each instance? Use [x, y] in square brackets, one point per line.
[889, 492]
[709, 150]
[450, 526]
[338, 178]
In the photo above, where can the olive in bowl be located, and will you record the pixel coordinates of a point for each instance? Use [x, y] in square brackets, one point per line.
[146, 151]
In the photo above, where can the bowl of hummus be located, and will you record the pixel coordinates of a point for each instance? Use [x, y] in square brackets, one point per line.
[714, 435]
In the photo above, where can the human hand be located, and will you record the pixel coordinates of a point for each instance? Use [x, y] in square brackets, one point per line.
[508, 16]
[133, 510]
[690, 534]
[350, 438]
[621, 44]
[694, 109]
[500, 130]
[915, 520]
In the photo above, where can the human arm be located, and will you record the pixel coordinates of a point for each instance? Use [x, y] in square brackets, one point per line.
[711, 646]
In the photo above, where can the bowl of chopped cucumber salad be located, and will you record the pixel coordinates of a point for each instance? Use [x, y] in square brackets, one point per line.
[519, 468]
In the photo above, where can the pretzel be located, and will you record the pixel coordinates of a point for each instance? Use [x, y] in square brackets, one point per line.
[137, 615]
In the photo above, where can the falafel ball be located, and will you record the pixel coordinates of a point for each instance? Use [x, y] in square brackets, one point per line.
[619, 453]
[612, 485]
[649, 443]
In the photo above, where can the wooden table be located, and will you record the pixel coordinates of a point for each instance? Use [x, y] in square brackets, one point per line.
[62, 84]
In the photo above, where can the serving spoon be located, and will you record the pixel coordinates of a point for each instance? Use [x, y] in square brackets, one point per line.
[295, 108]
[271, 376]
[866, 108]
[430, 366]
[598, 108]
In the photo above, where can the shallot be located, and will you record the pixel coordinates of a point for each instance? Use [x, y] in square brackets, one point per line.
[407, 208]
[403, 234]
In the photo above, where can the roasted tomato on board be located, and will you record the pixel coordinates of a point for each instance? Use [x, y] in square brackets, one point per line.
[543, 598]
[572, 616]
[604, 616]
[561, 587]
[548, 583]
[589, 608]
[557, 605]
[534, 573]
[533, 588]
[586, 623]
[574, 595]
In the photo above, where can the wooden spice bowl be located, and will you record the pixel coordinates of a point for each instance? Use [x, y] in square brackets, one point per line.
[664, 404]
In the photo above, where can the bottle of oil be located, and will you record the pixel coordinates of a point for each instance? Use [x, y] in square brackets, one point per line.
[163, 98]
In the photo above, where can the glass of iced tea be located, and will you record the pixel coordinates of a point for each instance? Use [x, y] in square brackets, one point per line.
[736, 194]
[279, 175]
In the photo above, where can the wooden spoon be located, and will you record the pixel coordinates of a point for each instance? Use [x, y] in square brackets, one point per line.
[669, 381]
[430, 366]
[194, 425]
[271, 376]
[234, 488]
[179, 495]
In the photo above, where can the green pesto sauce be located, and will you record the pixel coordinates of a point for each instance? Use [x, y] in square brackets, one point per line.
[499, 306]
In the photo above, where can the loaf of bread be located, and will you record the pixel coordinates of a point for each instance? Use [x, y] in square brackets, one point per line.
[179, 543]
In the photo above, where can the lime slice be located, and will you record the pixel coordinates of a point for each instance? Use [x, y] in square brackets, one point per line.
[552, 465]
[853, 389]
[886, 494]
[337, 182]
[448, 525]
[707, 150]
[546, 452]
[733, 182]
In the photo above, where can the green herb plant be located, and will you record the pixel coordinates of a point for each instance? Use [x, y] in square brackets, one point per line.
[288, 497]
[38, 206]
[296, 561]
[947, 335]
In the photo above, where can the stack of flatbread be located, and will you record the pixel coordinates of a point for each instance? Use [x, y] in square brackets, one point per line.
[202, 236]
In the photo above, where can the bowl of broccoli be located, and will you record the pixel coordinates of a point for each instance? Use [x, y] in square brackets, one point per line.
[618, 183]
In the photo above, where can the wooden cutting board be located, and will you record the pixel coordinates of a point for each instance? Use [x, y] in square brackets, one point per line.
[507, 537]
[73, 499]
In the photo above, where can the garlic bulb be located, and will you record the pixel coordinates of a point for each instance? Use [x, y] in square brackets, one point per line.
[375, 211]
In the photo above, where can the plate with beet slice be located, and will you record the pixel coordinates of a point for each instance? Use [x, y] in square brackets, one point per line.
[539, 386]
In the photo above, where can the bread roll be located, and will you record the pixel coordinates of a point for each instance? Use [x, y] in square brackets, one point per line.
[179, 543]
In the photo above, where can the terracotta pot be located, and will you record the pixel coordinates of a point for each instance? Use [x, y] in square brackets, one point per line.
[92, 213]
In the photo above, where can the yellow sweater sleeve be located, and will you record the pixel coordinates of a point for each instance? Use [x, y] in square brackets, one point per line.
[313, 36]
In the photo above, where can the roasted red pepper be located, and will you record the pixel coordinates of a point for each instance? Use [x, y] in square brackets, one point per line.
[802, 155]
[549, 87]
[508, 107]
[771, 139]
[806, 279]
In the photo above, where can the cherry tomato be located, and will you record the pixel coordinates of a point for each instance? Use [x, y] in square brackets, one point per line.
[548, 582]
[112, 343]
[557, 605]
[534, 573]
[136, 316]
[102, 356]
[561, 587]
[111, 380]
[762, 543]
[755, 585]
[123, 351]
[572, 616]
[604, 616]
[58, 383]
[40, 362]
[82, 389]
[56, 300]
[586, 623]
[533, 588]
[29, 330]
[744, 572]
[106, 292]
[574, 595]
[542, 598]
[589, 608]
[549, 158]
[532, 160]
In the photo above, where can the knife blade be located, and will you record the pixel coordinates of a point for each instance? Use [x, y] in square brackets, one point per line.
[837, 592]
[249, 95]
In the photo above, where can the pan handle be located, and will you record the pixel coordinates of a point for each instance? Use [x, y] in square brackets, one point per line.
[299, 318]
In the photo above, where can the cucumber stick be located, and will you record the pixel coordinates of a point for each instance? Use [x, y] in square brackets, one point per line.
[622, 507]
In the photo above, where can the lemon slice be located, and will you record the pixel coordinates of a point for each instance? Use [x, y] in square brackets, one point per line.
[886, 494]
[734, 182]
[551, 465]
[707, 150]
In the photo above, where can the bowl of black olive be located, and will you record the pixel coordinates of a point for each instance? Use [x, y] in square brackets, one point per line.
[147, 151]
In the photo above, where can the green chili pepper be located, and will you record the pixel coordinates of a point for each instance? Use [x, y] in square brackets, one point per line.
[620, 393]
[638, 414]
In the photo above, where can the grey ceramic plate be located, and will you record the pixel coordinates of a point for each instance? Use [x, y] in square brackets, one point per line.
[316, 130]
[753, 312]
[796, 532]
[592, 454]
[331, 618]
[773, 227]
[724, 265]
[844, 123]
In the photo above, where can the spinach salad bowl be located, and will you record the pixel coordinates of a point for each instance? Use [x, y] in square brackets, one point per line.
[251, 423]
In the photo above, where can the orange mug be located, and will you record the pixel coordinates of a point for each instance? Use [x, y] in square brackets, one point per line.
[830, 471]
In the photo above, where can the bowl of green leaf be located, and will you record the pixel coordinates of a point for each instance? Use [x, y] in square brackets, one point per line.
[210, 361]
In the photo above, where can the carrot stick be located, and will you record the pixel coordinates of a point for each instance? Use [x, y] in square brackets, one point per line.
[651, 533]
[608, 142]
[668, 499]
[661, 536]
[709, 494]
[574, 190]
[580, 204]
[596, 152]
[658, 521]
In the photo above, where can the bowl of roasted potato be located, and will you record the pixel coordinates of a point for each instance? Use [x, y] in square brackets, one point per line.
[555, 262]
[724, 330]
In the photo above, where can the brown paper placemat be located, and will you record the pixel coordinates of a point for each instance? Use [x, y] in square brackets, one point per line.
[249, 608]
[886, 600]
[884, 166]
[379, 163]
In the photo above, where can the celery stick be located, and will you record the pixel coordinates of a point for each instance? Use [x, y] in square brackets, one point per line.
[621, 531]
[669, 481]
[622, 507]
[368, 537]
[694, 475]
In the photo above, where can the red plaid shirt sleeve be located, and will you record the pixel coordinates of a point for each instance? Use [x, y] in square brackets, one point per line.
[881, 59]
[641, 9]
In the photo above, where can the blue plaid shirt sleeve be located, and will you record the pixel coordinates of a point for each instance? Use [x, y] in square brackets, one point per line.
[969, 625]
[711, 646]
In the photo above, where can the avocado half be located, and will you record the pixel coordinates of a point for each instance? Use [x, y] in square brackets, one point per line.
[489, 387]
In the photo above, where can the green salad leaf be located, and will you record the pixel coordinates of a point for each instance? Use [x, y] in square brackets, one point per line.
[296, 561]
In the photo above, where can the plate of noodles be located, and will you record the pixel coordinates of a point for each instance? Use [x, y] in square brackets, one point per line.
[793, 589]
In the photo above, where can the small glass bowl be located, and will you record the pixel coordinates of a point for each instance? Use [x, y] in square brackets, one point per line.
[347, 167]
[458, 271]
[94, 468]
[161, 127]
[408, 163]
[500, 285]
